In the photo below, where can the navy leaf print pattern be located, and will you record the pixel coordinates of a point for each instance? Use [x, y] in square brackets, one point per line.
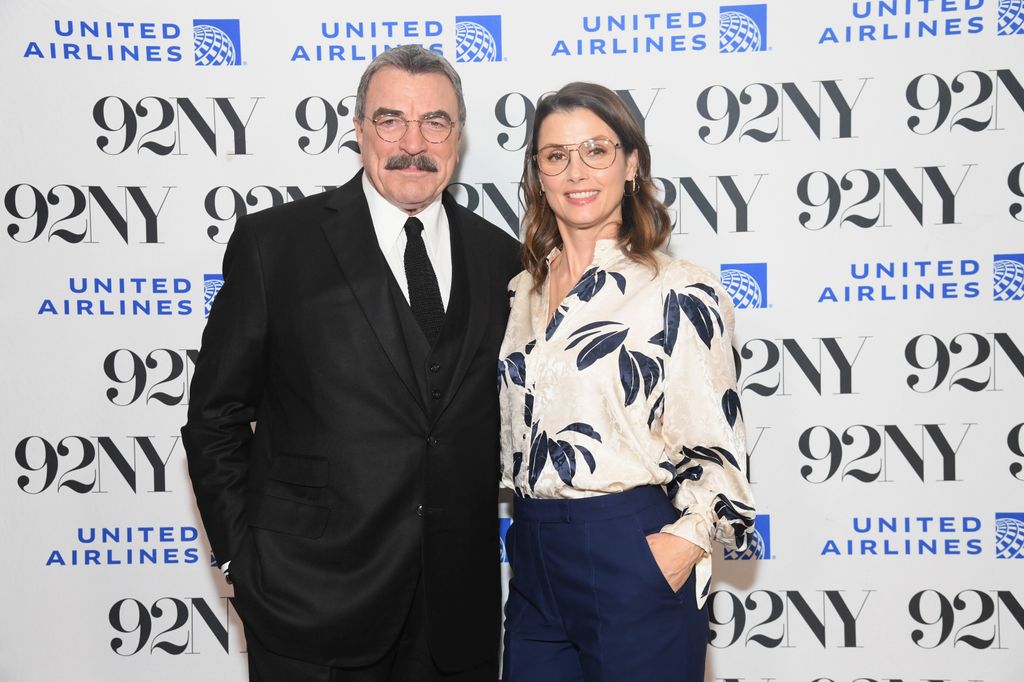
[556, 320]
[636, 369]
[699, 315]
[715, 454]
[707, 289]
[725, 509]
[620, 281]
[655, 410]
[590, 283]
[515, 365]
[650, 370]
[528, 409]
[702, 316]
[588, 457]
[691, 474]
[600, 346]
[530, 346]
[629, 375]
[671, 331]
[731, 406]
[538, 455]
[586, 331]
[585, 429]
[564, 460]
[561, 453]
[517, 463]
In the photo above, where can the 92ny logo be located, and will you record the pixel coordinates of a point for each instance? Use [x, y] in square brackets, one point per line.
[772, 619]
[164, 126]
[824, 364]
[863, 453]
[80, 464]
[968, 361]
[975, 94]
[866, 198]
[162, 376]
[759, 111]
[72, 214]
[980, 619]
[173, 625]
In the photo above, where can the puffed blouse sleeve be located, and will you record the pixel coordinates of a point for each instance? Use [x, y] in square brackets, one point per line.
[702, 422]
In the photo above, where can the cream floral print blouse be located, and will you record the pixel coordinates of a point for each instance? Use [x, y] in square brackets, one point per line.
[630, 383]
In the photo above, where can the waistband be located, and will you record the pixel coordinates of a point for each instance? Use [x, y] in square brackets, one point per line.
[597, 508]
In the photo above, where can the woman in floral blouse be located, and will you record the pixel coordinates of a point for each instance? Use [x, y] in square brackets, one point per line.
[622, 433]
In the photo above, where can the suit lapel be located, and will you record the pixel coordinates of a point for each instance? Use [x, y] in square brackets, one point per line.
[473, 255]
[349, 231]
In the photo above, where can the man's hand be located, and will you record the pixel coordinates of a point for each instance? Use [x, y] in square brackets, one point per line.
[676, 557]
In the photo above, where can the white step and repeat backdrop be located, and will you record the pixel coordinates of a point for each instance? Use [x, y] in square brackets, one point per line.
[853, 168]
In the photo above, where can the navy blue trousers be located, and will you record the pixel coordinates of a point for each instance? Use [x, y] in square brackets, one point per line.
[587, 601]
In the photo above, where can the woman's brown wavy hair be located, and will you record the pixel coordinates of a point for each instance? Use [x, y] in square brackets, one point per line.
[645, 221]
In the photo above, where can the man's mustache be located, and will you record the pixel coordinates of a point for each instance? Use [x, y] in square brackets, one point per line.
[403, 161]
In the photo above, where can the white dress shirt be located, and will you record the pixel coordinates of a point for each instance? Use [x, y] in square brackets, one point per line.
[389, 224]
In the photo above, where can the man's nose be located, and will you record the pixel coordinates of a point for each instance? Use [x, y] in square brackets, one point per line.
[412, 142]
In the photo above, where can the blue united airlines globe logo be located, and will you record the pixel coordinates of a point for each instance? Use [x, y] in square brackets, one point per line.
[474, 43]
[743, 289]
[742, 28]
[1008, 277]
[1009, 536]
[213, 47]
[478, 39]
[1011, 17]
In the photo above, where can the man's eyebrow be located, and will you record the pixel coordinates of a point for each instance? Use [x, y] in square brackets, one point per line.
[382, 111]
[440, 113]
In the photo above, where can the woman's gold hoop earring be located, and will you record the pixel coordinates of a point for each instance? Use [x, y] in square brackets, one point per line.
[633, 187]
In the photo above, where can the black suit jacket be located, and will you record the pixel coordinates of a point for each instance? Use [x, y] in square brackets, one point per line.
[356, 481]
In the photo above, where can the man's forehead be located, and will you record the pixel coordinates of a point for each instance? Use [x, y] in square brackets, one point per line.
[393, 89]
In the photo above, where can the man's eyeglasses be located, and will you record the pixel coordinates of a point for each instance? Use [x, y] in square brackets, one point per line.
[598, 153]
[434, 129]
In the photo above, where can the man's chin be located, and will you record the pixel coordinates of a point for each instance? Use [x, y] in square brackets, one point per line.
[413, 192]
[408, 201]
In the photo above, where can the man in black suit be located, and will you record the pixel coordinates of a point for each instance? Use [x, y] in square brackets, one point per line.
[359, 330]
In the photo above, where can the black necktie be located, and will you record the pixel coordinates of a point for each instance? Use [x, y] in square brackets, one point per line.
[424, 295]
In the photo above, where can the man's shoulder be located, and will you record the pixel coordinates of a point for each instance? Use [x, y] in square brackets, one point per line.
[304, 211]
[479, 227]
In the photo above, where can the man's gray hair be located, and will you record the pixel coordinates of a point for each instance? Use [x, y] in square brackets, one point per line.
[413, 59]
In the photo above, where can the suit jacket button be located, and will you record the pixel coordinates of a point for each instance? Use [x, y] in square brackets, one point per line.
[431, 441]
[435, 394]
[419, 510]
[435, 368]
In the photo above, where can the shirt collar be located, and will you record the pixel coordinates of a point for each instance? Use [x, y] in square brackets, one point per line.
[389, 220]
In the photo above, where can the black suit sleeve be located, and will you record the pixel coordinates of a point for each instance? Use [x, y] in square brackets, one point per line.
[226, 391]
[511, 257]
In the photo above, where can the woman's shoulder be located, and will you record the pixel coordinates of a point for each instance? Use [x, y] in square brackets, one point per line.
[677, 273]
[523, 282]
